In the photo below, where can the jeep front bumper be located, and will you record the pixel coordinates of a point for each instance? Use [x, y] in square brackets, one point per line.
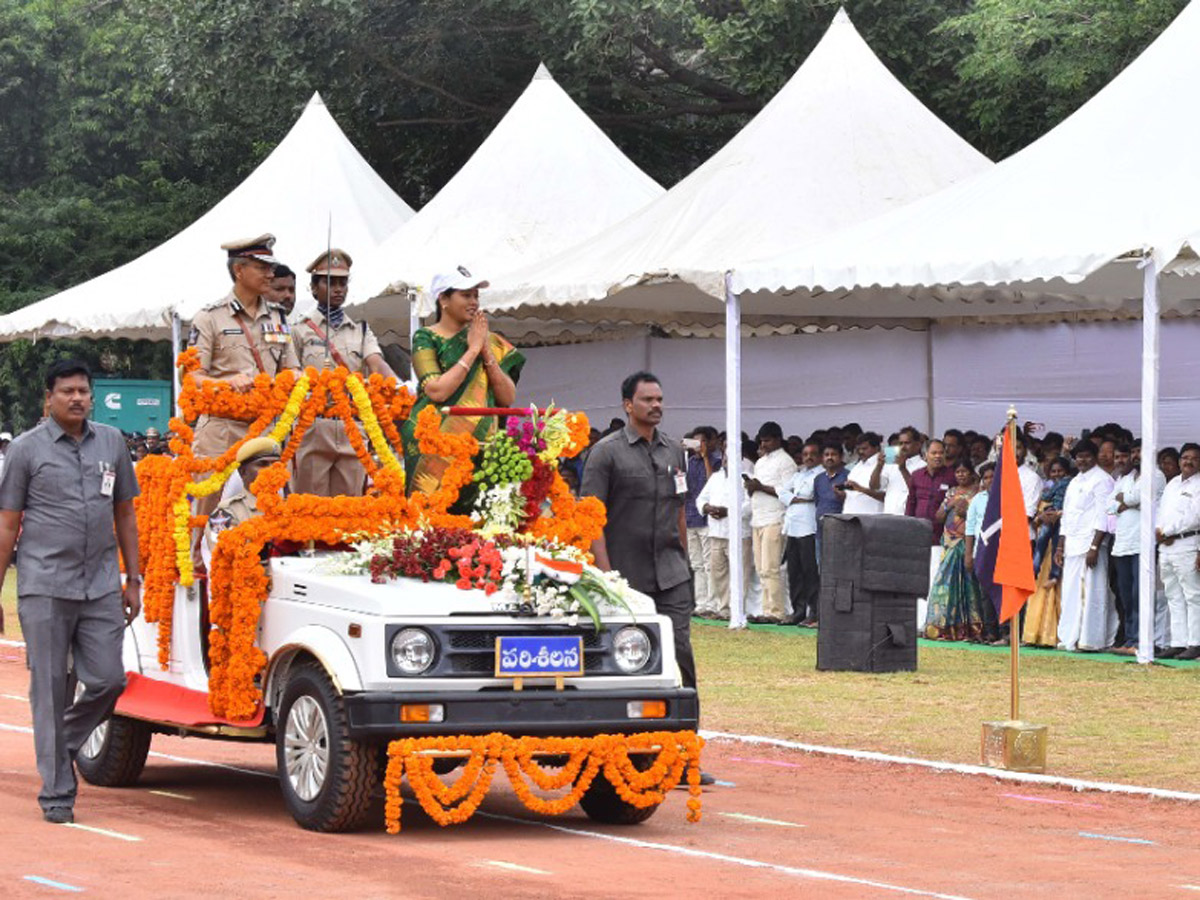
[570, 713]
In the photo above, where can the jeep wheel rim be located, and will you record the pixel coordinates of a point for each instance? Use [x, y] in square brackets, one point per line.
[94, 745]
[306, 748]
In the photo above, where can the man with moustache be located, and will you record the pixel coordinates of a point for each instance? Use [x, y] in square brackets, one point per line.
[68, 489]
[238, 338]
[326, 463]
[282, 291]
[1089, 618]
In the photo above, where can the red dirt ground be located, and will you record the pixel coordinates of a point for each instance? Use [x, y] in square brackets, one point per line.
[865, 830]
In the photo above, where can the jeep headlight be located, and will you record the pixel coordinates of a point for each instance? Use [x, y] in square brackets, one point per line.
[631, 649]
[413, 650]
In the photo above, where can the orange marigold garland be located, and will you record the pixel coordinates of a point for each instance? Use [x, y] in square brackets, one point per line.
[285, 408]
[607, 754]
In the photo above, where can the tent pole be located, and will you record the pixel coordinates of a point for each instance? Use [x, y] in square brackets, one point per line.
[1147, 583]
[929, 377]
[414, 319]
[176, 385]
[733, 449]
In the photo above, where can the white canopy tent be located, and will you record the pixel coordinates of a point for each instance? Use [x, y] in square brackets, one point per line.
[843, 140]
[1112, 189]
[546, 178]
[314, 186]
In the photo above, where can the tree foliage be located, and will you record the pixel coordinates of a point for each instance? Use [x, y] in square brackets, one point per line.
[123, 120]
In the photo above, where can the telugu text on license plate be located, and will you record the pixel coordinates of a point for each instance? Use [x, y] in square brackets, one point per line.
[520, 656]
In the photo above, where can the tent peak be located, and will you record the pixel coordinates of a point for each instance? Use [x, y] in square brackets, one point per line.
[315, 100]
[542, 73]
[842, 17]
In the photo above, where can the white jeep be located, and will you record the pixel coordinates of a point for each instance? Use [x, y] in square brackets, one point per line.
[354, 664]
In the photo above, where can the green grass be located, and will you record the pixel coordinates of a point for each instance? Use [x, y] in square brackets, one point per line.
[1109, 719]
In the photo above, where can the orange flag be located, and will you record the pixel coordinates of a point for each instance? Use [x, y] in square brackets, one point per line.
[1014, 557]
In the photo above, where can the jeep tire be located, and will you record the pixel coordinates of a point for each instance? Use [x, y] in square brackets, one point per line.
[603, 804]
[115, 753]
[328, 780]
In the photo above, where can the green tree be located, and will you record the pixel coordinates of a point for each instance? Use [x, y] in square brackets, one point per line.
[1034, 62]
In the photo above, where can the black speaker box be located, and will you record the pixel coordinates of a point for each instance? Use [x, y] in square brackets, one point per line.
[873, 569]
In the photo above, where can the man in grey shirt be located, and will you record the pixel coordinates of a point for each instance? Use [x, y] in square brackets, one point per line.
[67, 489]
[640, 475]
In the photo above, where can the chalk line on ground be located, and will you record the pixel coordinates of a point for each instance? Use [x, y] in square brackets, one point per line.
[760, 820]
[515, 867]
[48, 882]
[1077, 784]
[120, 836]
[815, 874]
[1115, 837]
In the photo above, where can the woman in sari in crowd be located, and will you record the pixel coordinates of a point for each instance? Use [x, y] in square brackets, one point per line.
[1042, 610]
[958, 610]
[457, 361]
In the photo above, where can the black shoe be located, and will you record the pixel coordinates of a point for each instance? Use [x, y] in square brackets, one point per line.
[705, 778]
[1190, 653]
[1167, 652]
[59, 815]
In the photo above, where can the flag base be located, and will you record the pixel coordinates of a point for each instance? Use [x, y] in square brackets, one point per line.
[1015, 746]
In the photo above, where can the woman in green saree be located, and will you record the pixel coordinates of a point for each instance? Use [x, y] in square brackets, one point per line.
[457, 361]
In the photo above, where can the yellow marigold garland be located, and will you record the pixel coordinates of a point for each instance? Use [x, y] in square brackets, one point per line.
[586, 758]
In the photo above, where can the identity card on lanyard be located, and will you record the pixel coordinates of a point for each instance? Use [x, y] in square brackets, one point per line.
[108, 479]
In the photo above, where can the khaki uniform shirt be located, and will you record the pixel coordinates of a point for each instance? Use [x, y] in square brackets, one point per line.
[233, 512]
[224, 349]
[353, 342]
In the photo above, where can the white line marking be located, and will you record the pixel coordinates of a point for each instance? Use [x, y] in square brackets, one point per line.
[47, 882]
[736, 860]
[1077, 784]
[14, 697]
[206, 762]
[104, 831]
[513, 867]
[22, 729]
[173, 795]
[1189, 887]
[761, 821]
[5, 642]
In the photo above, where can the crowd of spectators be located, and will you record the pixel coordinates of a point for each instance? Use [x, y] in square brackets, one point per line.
[1081, 495]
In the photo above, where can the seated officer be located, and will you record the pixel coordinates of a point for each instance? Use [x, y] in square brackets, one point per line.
[254, 456]
[326, 463]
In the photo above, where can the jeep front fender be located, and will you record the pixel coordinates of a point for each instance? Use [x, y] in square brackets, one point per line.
[328, 648]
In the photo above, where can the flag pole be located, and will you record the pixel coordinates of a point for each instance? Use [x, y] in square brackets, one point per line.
[1014, 624]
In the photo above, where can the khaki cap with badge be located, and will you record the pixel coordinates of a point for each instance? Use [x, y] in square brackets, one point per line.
[259, 248]
[333, 262]
[256, 448]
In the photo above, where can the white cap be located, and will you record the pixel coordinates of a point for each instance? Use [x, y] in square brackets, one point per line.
[459, 279]
[5, 436]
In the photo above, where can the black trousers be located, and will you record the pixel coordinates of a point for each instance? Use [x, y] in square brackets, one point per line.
[804, 579]
[678, 603]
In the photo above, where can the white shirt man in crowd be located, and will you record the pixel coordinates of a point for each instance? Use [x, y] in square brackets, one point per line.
[1089, 617]
[1179, 554]
[1125, 505]
[861, 498]
[773, 470]
[892, 478]
[715, 501]
[800, 536]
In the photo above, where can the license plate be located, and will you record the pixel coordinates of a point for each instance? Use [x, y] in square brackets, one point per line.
[520, 656]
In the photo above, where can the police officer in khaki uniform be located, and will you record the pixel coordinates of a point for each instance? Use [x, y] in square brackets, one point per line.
[239, 337]
[326, 463]
[254, 456]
